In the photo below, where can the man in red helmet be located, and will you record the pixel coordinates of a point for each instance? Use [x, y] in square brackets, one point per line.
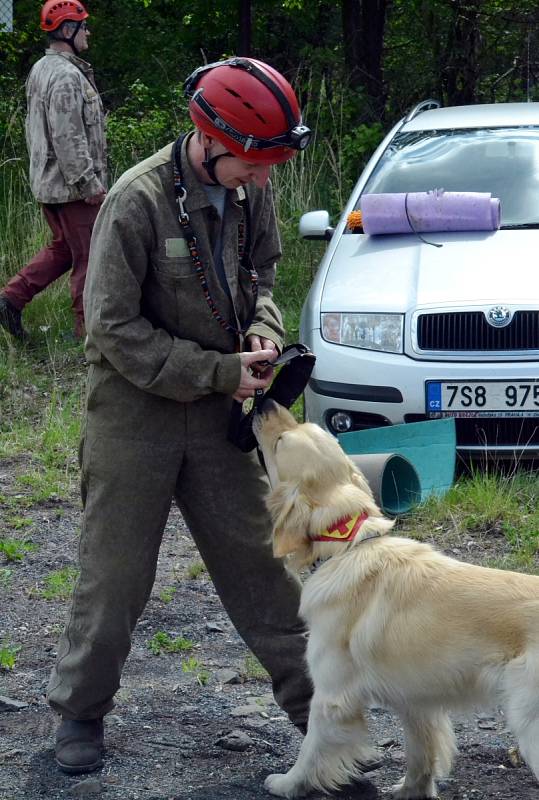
[180, 322]
[66, 142]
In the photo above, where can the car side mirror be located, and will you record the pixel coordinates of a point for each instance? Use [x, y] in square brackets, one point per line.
[316, 225]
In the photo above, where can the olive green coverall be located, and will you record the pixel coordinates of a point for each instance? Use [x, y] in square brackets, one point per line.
[162, 372]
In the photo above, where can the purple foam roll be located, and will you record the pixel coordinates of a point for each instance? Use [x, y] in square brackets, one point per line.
[425, 212]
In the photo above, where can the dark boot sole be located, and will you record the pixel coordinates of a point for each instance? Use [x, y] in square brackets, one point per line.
[77, 769]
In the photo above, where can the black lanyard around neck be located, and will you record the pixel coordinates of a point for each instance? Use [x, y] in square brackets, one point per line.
[243, 245]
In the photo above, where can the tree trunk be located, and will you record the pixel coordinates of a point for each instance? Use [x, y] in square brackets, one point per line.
[363, 23]
[462, 70]
[244, 45]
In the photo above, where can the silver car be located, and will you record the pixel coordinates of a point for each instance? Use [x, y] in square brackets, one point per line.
[406, 331]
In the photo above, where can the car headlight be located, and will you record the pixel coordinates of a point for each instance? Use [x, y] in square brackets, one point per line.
[367, 331]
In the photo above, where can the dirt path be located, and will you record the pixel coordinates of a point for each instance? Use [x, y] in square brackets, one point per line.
[163, 736]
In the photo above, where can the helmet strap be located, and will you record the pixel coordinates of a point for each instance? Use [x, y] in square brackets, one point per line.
[71, 39]
[209, 164]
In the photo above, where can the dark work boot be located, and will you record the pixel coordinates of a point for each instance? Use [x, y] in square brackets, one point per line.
[79, 745]
[10, 318]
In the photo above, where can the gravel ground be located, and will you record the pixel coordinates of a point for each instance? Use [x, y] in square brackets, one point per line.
[209, 734]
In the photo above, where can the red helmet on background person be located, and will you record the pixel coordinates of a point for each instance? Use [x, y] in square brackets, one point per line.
[249, 107]
[55, 12]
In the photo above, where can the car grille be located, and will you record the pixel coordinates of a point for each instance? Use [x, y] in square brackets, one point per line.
[469, 330]
[491, 432]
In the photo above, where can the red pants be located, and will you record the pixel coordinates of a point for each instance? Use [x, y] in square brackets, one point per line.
[71, 225]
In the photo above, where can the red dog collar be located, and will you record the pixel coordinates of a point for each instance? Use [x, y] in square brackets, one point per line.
[344, 530]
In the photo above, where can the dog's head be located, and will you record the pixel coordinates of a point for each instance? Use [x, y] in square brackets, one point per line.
[313, 483]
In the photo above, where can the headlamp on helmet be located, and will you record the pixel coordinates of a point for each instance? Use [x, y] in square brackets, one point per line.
[254, 111]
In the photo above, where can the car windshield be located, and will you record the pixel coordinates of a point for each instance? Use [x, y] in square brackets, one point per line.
[502, 161]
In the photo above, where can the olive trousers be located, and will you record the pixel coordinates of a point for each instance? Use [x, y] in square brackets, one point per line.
[139, 451]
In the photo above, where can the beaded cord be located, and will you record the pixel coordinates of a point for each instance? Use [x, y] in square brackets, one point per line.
[190, 238]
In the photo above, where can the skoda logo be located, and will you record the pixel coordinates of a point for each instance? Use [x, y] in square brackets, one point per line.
[498, 316]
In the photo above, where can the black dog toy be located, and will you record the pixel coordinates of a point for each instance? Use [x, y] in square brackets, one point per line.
[296, 362]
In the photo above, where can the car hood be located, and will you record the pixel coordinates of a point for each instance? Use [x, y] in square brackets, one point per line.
[400, 273]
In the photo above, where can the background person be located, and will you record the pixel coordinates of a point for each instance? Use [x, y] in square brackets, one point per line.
[65, 136]
[179, 309]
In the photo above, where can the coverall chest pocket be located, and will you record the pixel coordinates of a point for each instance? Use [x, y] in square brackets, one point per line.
[173, 292]
[174, 269]
[91, 110]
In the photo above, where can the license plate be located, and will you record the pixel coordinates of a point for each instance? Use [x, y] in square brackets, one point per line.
[483, 398]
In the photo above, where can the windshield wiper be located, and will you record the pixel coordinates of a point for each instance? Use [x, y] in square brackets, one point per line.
[520, 226]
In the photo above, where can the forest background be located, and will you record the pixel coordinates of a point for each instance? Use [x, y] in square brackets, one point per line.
[358, 65]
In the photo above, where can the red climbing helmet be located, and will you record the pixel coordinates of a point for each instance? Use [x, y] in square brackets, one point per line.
[56, 12]
[249, 107]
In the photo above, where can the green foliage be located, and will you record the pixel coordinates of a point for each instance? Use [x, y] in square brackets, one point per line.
[294, 276]
[59, 585]
[515, 562]
[429, 48]
[22, 228]
[6, 576]
[15, 549]
[40, 412]
[41, 486]
[145, 122]
[254, 669]
[426, 57]
[18, 523]
[482, 505]
[192, 664]
[61, 429]
[357, 147]
[196, 569]
[167, 593]
[8, 655]
[161, 642]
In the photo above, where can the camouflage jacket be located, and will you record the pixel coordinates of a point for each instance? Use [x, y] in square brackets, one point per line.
[65, 129]
[146, 313]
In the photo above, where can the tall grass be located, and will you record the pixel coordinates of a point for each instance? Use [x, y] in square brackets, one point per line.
[40, 382]
[22, 228]
[317, 177]
[486, 511]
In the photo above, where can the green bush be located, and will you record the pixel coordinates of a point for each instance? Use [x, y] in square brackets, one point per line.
[145, 122]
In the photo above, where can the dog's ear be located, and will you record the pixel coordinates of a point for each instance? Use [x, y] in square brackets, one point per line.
[291, 513]
[359, 480]
[286, 542]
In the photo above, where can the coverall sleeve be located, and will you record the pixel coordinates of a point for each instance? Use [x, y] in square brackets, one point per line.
[68, 135]
[266, 252]
[148, 357]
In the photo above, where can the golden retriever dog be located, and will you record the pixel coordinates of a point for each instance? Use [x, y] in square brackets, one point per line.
[392, 622]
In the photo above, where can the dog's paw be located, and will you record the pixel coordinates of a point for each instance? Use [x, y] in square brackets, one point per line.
[369, 760]
[282, 786]
[400, 791]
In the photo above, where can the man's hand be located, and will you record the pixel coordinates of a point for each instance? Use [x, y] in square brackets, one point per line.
[255, 344]
[95, 199]
[248, 381]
